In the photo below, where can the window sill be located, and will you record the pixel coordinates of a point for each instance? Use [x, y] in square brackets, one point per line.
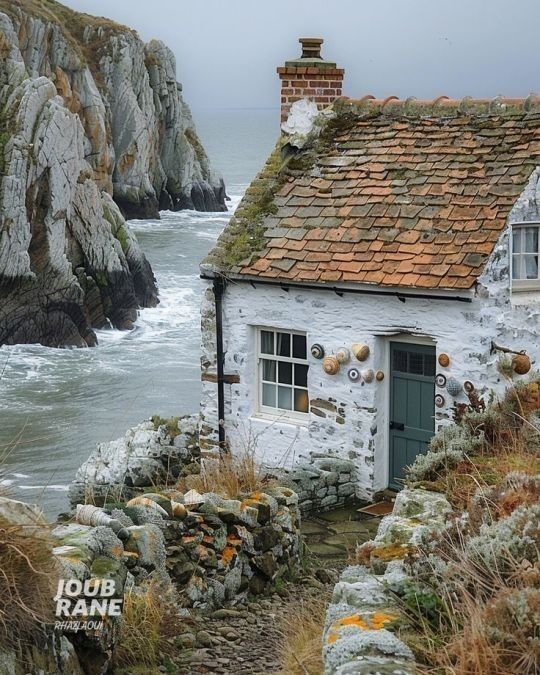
[281, 419]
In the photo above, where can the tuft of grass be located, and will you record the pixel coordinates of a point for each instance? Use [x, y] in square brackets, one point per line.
[149, 620]
[28, 581]
[170, 424]
[229, 475]
[301, 631]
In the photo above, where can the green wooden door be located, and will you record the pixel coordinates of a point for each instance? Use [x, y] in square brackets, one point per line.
[412, 407]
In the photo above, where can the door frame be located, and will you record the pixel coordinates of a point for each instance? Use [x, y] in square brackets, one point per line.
[385, 407]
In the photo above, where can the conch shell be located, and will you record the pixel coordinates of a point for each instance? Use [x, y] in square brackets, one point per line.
[330, 365]
[88, 514]
[150, 503]
[360, 350]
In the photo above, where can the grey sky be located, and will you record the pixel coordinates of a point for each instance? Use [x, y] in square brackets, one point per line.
[227, 50]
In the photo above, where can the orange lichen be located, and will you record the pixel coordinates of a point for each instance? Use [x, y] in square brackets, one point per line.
[391, 552]
[227, 556]
[375, 621]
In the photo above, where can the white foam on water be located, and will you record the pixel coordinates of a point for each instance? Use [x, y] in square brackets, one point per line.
[71, 399]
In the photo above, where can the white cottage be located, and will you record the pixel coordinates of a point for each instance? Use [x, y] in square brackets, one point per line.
[368, 277]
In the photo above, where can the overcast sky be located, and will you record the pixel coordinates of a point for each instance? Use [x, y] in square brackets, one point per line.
[227, 50]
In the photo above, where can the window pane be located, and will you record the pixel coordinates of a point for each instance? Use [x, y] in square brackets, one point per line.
[283, 344]
[531, 239]
[516, 240]
[300, 375]
[285, 373]
[429, 364]
[267, 342]
[516, 270]
[416, 363]
[299, 346]
[269, 370]
[301, 400]
[531, 266]
[285, 398]
[269, 395]
[400, 361]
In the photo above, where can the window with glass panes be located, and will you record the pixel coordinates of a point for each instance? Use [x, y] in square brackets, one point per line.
[526, 255]
[283, 372]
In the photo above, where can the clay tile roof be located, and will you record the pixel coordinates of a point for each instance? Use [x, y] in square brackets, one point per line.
[392, 192]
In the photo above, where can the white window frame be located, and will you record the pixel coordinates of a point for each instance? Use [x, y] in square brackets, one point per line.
[281, 414]
[523, 284]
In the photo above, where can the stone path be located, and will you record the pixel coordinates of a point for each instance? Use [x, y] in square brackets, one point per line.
[245, 640]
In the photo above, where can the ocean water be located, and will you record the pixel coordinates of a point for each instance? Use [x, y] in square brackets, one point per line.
[57, 404]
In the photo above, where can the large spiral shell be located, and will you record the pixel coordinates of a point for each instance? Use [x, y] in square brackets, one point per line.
[360, 350]
[330, 365]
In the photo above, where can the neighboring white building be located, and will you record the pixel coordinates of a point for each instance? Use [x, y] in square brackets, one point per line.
[399, 238]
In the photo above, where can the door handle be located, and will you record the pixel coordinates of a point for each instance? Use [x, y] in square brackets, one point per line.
[398, 426]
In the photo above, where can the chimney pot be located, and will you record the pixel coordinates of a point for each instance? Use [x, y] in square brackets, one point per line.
[309, 77]
[311, 47]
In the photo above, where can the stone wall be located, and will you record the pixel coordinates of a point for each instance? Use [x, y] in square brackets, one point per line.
[206, 553]
[321, 483]
[362, 618]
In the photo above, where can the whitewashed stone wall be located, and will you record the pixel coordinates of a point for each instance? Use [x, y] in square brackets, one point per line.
[350, 420]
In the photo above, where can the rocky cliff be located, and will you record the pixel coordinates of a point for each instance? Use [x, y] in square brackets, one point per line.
[93, 129]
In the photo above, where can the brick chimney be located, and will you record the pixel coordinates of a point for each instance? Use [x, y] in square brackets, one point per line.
[309, 76]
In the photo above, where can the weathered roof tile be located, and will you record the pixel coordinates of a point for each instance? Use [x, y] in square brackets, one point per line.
[397, 193]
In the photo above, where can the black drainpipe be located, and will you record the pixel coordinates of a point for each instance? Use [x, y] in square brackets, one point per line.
[219, 289]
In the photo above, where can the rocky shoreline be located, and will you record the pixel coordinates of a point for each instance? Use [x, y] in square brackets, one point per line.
[93, 130]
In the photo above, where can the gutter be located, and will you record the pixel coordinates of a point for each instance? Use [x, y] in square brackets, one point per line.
[402, 296]
[219, 284]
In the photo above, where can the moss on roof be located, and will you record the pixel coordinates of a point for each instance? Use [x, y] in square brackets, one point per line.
[396, 193]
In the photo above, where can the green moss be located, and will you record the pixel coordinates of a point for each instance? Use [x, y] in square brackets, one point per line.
[122, 237]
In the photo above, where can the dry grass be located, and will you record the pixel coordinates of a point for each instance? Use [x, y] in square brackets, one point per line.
[229, 475]
[28, 581]
[474, 602]
[149, 619]
[300, 648]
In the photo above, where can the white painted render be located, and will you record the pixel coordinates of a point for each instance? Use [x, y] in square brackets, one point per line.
[358, 427]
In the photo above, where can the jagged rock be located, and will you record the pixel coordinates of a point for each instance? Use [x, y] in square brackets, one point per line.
[143, 457]
[88, 114]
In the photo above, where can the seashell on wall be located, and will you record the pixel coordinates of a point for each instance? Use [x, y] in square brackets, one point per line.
[343, 355]
[444, 360]
[317, 351]
[150, 503]
[179, 510]
[453, 386]
[330, 365]
[379, 376]
[360, 350]
[521, 364]
[353, 374]
[439, 400]
[88, 514]
[368, 375]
